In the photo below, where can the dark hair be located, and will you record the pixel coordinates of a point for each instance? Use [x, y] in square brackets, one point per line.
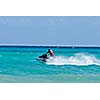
[48, 50]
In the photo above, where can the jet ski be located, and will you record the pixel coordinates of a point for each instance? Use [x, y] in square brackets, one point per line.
[43, 58]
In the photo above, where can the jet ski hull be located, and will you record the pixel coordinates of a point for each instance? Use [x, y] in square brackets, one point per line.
[42, 59]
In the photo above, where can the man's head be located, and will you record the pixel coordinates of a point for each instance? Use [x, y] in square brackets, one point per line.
[48, 51]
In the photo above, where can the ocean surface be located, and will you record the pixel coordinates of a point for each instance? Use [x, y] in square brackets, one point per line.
[18, 64]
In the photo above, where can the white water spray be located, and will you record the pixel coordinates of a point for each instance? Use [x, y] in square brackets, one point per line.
[79, 59]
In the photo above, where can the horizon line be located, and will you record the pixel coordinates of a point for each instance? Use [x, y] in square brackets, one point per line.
[45, 45]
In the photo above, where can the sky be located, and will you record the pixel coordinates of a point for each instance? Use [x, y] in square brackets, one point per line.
[50, 30]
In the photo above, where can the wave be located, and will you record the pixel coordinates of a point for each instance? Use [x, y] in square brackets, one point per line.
[78, 59]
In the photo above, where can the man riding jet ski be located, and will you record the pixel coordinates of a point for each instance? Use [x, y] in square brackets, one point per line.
[46, 56]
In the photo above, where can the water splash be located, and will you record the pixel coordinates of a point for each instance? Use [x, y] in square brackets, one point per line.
[79, 59]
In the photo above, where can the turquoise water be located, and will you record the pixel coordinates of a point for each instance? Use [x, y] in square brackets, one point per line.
[18, 64]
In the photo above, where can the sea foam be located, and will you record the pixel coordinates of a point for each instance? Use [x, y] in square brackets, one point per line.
[78, 59]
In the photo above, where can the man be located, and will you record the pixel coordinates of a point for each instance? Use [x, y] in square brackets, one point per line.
[50, 52]
[45, 56]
